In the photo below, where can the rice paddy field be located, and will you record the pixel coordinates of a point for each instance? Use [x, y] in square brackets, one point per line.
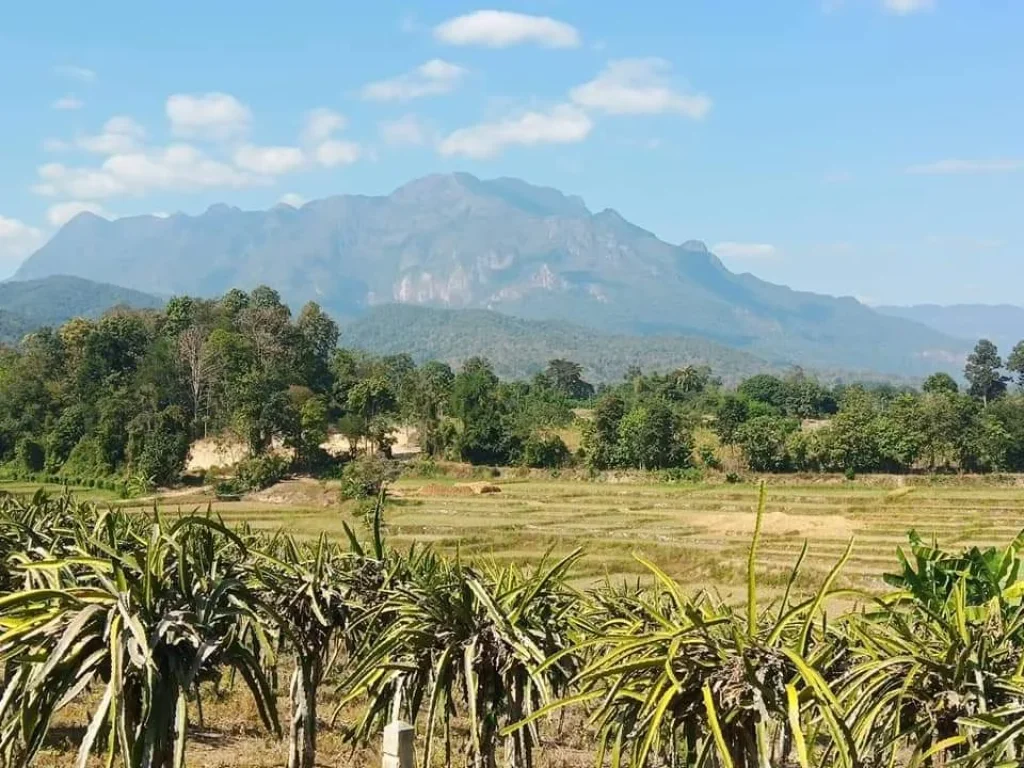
[699, 534]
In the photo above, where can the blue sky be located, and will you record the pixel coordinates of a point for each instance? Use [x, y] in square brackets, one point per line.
[872, 148]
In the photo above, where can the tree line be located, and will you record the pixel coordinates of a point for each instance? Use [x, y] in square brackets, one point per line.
[125, 395]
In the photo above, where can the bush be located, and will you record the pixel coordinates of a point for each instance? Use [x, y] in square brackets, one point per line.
[30, 454]
[364, 477]
[86, 459]
[733, 478]
[708, 457]
[260, 472]
[681, 475]
[545, 452]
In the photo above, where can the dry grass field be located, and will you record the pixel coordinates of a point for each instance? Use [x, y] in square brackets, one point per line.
[698, 533]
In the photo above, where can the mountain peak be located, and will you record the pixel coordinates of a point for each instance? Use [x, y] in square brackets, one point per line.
[529, 198]
[697, 246]
[220, 209]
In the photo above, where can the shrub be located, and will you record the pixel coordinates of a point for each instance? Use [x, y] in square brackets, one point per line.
[30, 454]
[708, 457]
[259, 472]
[681, 475]
[545, 452]
[86, 459]
[364, 477]
[733, 478]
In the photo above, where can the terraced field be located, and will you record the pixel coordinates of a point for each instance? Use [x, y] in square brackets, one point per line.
[698, 534]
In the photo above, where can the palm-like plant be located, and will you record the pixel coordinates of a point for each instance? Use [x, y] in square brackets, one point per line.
[459, 637]
[306, 590]
[145, 618]
[676, 677]
[937, 671]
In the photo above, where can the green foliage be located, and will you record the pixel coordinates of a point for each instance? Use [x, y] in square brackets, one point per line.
[940, 383]
[158, 445]
[1015, 362]
[763, 441]
[545, 451]
[650, 437]
[259, 472]
[366, 477]
[30, 454]
[87, 459]
[982, 372]
[142, 614]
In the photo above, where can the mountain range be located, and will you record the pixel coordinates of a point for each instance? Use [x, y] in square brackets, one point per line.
[999, 323]
[459, 242]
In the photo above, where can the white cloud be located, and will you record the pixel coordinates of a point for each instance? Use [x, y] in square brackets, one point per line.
[731, 250]
[562, 124]
[639, 87]
[55, 145]
[907, 7]
[335, 152]
[120, 134]
[60, 214]
[321, 124]
[429, 79]
[271, 161]
[407, 130]
[208, 116]
[955, 166]
[67, 103]
[293, 199]
[500, 29]
[17, 241]
[175, 167]
[76, 73]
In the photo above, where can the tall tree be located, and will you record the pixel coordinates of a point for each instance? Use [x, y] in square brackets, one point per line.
[983, 372]
[567, 377]
[940, 382]
[1015, 362]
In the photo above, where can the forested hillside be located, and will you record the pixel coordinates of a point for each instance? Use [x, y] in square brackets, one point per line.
[521, 348]
[29, 304]
[122, 396]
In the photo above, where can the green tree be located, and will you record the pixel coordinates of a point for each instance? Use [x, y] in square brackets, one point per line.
[983, 373]
[319, 334]
[484, 437]
[1015, 362]
[940, 382]
[601, 435]
[431, 395]
[763, 441]
[853, 435]
[373, 400]
[730, 413]
[567, 377]
[765, 388]
[649, 439]
[901, 431]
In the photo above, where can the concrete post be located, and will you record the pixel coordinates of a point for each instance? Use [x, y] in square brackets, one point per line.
[398, 745]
